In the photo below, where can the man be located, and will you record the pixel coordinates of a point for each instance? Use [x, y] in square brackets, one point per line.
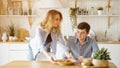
[81, 46]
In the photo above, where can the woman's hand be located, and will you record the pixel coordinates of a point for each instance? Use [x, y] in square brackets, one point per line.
[49, 57]
[52, 60]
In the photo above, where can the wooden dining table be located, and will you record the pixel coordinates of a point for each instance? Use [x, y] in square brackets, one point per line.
[44, 64]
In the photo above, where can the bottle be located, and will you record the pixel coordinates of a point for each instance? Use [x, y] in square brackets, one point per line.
[4, 37]
[30, 11]
[92, 11]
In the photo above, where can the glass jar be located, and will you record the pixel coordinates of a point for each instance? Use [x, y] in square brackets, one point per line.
[92, 11]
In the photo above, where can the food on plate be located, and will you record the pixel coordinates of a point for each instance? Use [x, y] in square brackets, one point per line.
[65, 62]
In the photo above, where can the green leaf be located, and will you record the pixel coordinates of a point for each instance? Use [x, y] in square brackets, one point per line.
[102, 54]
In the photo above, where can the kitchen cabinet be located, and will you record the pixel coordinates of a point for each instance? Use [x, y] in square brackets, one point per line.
[17, 51]
[13, 51]
[3, 54]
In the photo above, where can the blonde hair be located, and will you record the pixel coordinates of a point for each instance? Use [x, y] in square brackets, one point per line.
[47, 23]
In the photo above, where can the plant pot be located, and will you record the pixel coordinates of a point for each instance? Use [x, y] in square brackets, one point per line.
[100, 63]
[100, 12]
[12, 38]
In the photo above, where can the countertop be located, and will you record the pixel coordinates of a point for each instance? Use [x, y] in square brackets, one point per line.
[43, 64]
[109, 42]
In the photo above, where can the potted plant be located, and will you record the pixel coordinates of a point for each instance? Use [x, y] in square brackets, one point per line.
[100, 10]
[11, 31]
[101, 57]
[73, 16]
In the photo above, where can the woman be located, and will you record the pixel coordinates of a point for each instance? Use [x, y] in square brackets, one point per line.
[47, 36]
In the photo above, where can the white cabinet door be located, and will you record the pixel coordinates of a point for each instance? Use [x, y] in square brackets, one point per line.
[17, 55]
[18, 46]
[18, 51]
[114, 50]
[3, 54]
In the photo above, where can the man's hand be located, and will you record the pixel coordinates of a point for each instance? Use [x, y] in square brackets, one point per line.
[80, 58]
[71, 58]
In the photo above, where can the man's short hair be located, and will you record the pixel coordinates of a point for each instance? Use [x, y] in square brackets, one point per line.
[84, 25]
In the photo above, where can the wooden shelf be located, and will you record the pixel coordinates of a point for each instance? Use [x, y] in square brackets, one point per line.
[19, 15]
[97, 16]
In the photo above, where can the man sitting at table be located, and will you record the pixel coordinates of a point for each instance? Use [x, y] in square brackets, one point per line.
[81, 46]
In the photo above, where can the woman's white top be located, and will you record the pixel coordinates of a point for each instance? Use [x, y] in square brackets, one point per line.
[37, 43]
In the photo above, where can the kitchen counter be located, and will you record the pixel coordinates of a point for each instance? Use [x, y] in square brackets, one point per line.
[14, 43]
[19, 51]
[11, 51]
[109, 42]
[42, 64]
